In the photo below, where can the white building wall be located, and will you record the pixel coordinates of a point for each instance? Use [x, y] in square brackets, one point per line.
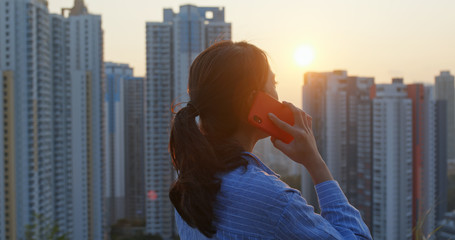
[28, 39]
[336, 113]
[429, 165]
[329, 103]
[159, 92]
[115, 140]
[392, 163]
[309, 96]
[188, 42]
[24, 35]
[79, 156]
[62, 151]
[86, 62]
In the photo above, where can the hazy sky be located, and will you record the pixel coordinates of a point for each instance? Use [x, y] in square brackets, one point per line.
[414, 39]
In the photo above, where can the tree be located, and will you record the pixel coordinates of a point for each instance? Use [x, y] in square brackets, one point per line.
[51, 231]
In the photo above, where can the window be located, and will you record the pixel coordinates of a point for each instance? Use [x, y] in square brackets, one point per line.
[209, 15]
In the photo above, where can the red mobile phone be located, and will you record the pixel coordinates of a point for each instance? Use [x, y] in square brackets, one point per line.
[258, 116]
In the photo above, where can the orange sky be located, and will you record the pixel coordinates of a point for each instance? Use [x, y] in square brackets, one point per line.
[414, 39]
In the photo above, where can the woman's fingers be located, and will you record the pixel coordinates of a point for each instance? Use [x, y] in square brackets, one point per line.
[280, 145]
[306, 120]
[281, 124]
[301, 118]
[298, 120]
[310, 120]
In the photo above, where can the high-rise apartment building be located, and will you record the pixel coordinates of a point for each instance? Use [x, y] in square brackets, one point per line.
[445, 106]
[52, 88]
[88, 127]
[392, 161]
[62, 120]
[441, 160]
[116, 74]
[340, 106]
[26, 119]
[134, 102]
[444, 90]
[430, 163]
[357, 169]
[314, 103]
[172, 45]
[385, 144]
[124, 110]
[424, 155]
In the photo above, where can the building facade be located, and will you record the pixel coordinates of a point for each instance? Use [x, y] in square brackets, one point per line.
[116, 74]
[386, 146]
[88, 124]
[340, 106]
[357, 169]
[445, 154]
[424, 155]
[444, 90]
[134, 102]
[26, 116]
[392, 162]
[51, 68]
[172, 45]
[62, 120]
[441, 184]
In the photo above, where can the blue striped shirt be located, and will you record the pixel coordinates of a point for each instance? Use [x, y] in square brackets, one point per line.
[256, 204]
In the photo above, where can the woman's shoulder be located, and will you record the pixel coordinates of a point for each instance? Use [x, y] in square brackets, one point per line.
[255, 183]
[251, 176]
[252, 198]
[252, 181]
[255, 176]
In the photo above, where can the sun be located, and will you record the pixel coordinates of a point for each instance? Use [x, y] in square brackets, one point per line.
[304, 55]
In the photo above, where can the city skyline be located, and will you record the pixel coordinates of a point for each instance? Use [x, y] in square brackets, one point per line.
[385, 144]
[52, 97]
[386, 39]
[77, 126]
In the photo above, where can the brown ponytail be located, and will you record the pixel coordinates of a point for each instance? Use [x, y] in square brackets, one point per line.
[221, 80]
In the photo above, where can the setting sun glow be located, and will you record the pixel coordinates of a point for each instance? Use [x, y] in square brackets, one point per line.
[304, 55]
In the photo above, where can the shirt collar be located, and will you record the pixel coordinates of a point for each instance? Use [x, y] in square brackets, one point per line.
[254, 160]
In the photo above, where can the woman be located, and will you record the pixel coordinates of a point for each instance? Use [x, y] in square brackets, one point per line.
[223, 191]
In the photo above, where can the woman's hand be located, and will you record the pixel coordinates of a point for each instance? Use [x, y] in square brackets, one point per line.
[303, 148]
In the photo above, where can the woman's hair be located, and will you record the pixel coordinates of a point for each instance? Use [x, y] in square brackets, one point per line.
[221, 81]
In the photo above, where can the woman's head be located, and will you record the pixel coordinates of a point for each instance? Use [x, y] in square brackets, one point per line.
[222, 83]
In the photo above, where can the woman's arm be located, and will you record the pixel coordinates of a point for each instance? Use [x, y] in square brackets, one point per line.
[338, 219]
